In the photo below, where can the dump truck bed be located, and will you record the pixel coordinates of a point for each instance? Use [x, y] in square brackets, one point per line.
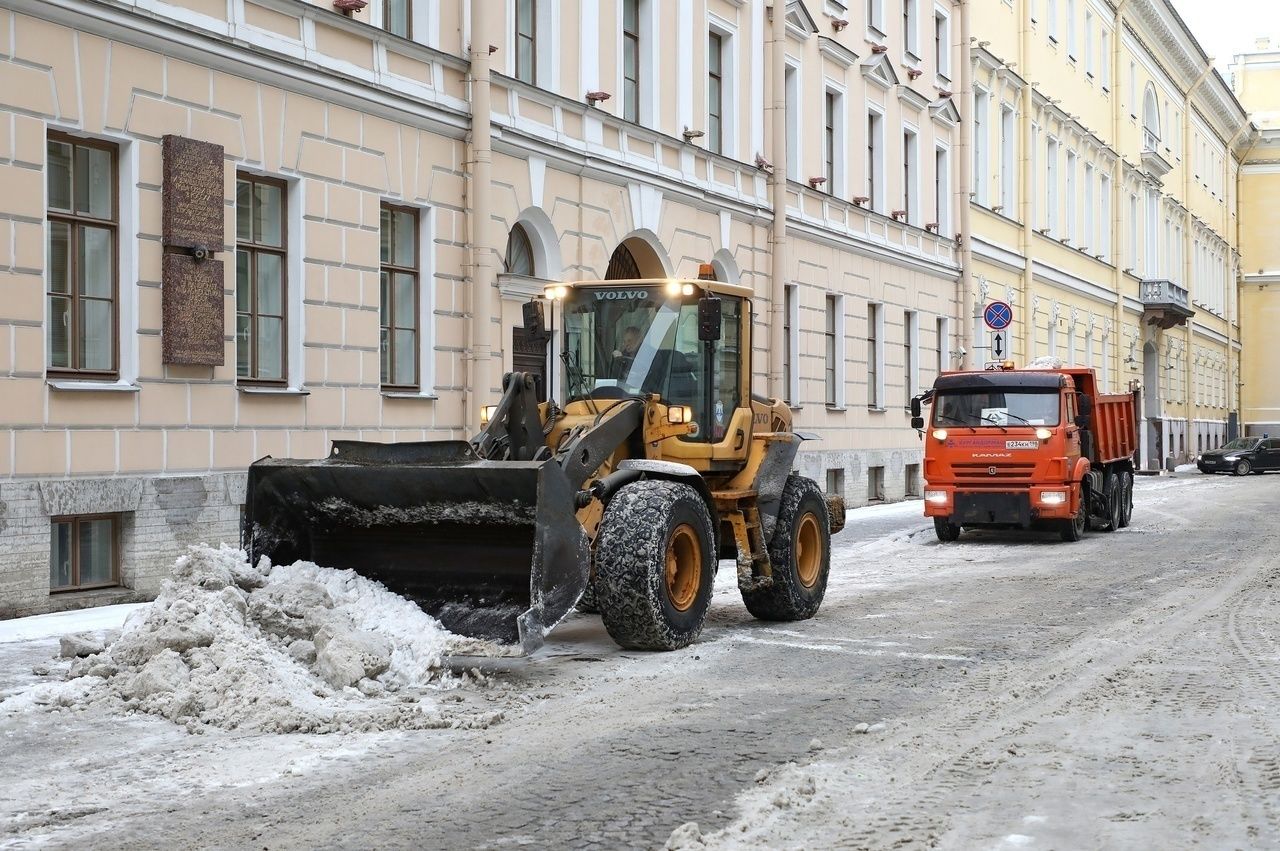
[1114, 418]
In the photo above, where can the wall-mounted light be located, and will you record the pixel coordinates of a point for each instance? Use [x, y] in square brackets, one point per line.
[349, 7]
[763, 164]
[861, 200]
[879, 48]
[931, 227]
[594, 98]
[815, 182]
[912, 73]
[690, 135]
[839, 24]
[898, 215]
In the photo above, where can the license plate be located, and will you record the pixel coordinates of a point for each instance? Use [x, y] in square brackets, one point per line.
[1022, 444]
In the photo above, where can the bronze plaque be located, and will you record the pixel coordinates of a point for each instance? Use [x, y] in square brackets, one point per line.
[194, 307]
[193, 186]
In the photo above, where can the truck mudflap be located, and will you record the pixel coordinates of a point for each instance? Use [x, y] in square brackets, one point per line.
[491, 548]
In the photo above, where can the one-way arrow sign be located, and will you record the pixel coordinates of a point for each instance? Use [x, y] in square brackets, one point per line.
[997, 344]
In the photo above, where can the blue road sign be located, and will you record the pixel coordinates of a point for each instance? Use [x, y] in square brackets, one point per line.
[998, 315]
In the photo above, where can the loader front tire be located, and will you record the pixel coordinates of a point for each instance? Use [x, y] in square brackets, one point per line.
[800, 553]
[655, 561]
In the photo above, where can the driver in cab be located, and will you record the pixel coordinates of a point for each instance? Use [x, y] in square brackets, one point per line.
[623, 358]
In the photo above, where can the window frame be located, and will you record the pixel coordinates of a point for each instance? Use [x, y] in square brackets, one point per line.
[392, 268]
[715, 105]
[408, 19]
[631, 109]
[75, 520]
[77, 222]
[253, 249]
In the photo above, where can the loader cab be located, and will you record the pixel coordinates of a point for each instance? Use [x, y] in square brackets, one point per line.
[626, 339]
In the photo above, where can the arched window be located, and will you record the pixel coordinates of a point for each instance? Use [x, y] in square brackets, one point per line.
[519, 259]
[1150, 119]
[622, 265]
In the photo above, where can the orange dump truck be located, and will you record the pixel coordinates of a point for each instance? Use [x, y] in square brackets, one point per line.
[1026, 448]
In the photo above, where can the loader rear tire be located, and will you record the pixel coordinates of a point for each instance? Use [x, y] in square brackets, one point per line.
[654, 565]
[801, 556]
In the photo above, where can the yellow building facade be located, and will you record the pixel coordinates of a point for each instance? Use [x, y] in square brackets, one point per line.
[1256, 79]
[1104, 205]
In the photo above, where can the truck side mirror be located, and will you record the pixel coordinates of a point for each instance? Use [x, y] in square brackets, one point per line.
[709, 319]
[916, 411]
[917, 423]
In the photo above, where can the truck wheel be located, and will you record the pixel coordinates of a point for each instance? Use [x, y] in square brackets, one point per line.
[801, 556]
[946, 530]
[654, 561]
[1113, 493]
[1126, 498]
[1243, 467]
[1073, 529]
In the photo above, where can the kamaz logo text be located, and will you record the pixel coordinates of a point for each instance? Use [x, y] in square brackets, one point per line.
[615, 295]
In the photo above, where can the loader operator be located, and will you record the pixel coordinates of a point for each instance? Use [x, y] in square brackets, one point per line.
[624, 357]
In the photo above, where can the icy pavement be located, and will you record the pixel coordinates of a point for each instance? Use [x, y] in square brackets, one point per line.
[1004, 691]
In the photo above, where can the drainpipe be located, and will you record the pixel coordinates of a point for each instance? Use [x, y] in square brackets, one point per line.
[1233, 375]
[964, 284]
[1028, 193]
[1187, 259]
[778, 192]
[483, 377]
[1119, 247]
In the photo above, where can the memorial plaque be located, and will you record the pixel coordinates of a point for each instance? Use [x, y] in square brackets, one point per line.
[193, 310]
[193, 186]
[193, 300]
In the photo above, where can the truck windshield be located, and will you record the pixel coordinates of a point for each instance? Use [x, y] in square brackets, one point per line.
[991, 408]
[637, 340]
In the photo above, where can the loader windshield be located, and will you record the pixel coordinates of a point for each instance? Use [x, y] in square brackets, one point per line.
[637, 340]
[1003, 407]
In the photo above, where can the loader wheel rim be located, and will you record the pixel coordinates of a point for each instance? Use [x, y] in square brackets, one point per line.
[684, 567]
[808, 551]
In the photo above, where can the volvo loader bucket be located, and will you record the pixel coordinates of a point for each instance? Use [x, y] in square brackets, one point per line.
[490, 548]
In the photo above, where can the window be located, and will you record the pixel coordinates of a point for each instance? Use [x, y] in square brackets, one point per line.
[875, 484]
[1104, 217]
[790, 345]
[526, 41]
[260, 278]
[942, 190]
[910, 177]
[875, 356]
[791, 92]
[1088, 43]
[910, 30]
[835, 481]
[82, 251]
[1134, 225]
[831, 112]
[396, 18]
[832, 351]
[715, 93]
[1051, 187]
[910, 356]
[83, 552]
[942, 45]
[943, 330]
[875, 159]
[1087, 239]
[1051, 12]
[631, 60]
[1150, 120]
[981, 176]
[1008, 166]
[1133, 89]
[875, 14]
[399, 302]
[519, 259]
[1104, 41]
[1071, 197]
[1071, 29]
[912, 477]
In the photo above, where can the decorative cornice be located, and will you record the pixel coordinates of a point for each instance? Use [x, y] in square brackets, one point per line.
[836, 52]
[878, 71]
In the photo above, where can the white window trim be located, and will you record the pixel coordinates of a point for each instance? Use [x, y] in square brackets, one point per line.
[911, 193]
[728, 84]
[943, 70]
[875, 395]
[297, 280]
[794, 99]
[911, 340]
[875, 26]
[943, 330]
[1104, 68]
[839, 172]
[650, 82]
[1069, 192]
[981, 144]
[837, 304]
[877, 199]
[942, 215]
[792, 378]
[1008, 159]
[1052, 150]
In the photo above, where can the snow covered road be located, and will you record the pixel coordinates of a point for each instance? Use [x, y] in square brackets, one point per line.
[1005, 691]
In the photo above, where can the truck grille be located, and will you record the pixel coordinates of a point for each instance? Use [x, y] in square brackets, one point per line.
[1003, 471]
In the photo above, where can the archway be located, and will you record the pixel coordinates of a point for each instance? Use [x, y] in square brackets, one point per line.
[639, 255]
[533, 247]
[726, 268]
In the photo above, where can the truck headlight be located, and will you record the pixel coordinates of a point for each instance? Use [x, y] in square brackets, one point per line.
[936, 497]
[1053, 497]
[1043, 433]
[939, 434]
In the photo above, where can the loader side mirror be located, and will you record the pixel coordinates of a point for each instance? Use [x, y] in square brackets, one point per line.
[709, 319]
[534, 317]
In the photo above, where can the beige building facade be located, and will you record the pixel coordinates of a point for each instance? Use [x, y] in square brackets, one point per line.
[1256, 79]
[1106, 208]
[395, 181]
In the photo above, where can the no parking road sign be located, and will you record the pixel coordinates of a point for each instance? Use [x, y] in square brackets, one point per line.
[998, 315]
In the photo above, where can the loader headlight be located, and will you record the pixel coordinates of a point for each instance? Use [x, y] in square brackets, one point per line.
[1053, 497]
[679, 414]
[676, 288]
[554, 292]
[936, 497]
[486, 413]
[939, 434]
[1043, 433]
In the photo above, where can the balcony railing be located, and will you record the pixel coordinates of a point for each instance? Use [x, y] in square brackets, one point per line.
[1166, 303]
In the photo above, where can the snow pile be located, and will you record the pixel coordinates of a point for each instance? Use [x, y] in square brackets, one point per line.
[295, 648]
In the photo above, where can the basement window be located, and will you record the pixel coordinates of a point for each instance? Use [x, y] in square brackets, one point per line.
[84, 552]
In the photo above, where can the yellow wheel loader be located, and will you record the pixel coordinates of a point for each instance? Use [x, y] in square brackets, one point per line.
[659, 463]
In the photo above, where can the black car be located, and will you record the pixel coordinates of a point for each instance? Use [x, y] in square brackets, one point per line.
[1242, 456]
